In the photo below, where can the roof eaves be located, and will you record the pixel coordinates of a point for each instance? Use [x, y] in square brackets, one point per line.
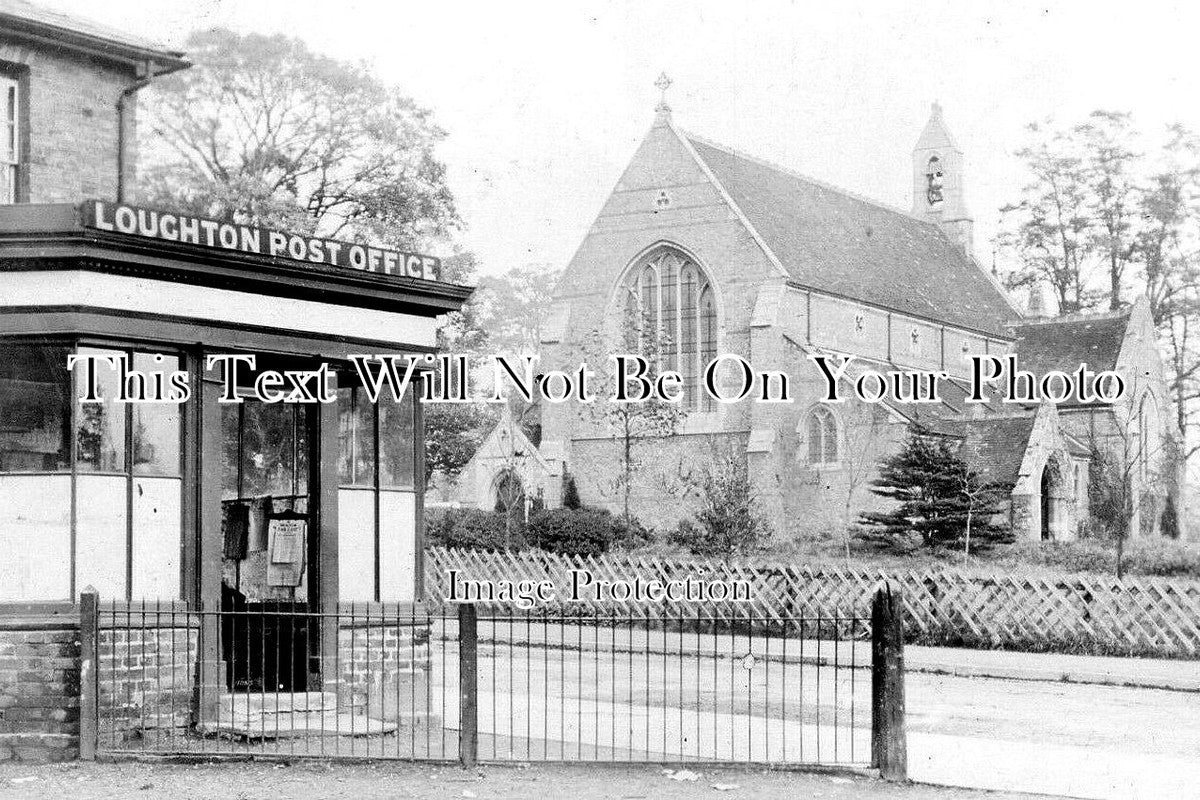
[125, 52]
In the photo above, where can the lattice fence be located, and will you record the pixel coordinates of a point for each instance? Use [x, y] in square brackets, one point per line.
[1077, 613]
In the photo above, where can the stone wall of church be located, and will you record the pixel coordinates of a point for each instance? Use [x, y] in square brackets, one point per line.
[665, 198]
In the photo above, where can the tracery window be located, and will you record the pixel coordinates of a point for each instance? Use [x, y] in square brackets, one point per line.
[821, 431]
[671, 316]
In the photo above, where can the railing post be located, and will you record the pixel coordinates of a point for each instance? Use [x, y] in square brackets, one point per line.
[468, 686]
[889, 747]
[89, 674]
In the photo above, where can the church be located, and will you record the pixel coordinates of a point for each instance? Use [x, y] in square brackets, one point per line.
[701, 250]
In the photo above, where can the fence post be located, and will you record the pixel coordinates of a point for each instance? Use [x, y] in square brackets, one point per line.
[468, 686]
[89, 674]
[889, 748]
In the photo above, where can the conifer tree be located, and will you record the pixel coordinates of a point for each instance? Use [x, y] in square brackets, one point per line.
[940, 500]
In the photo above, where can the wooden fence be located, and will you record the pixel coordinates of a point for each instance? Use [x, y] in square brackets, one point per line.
[1078, 613]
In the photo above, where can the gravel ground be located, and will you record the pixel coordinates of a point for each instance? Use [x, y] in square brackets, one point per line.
[324, 781]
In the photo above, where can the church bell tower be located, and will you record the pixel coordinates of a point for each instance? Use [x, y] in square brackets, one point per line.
[938, 194]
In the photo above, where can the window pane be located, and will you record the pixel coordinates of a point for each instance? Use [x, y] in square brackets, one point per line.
[831, 439]
[356, 439]
[815, 435]
[34, 408]
[670, 321]
[156, 426]
[708, 337]
[230, 490]
[99, 427]
[268, 449]
[397, 443]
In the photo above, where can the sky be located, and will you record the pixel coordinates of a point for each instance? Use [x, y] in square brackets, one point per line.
[545, 102]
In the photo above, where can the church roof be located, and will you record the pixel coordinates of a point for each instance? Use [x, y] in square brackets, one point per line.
[832, 241]
[1064, 343]
[994, 446]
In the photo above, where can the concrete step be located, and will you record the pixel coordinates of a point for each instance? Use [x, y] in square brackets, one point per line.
[286, 726]
[233, 703]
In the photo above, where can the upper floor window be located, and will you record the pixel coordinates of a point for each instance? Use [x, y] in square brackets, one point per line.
[822, 432]
[10, 143]
[671, 313]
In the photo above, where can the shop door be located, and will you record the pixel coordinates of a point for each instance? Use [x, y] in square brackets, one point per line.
[268, 637]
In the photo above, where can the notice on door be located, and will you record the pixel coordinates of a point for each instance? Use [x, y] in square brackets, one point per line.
[286, 543]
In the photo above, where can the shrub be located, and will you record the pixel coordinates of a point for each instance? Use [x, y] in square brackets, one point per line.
[570, 497]
[469, 528]
[1164, 558]
[574, 531]
[728, 520]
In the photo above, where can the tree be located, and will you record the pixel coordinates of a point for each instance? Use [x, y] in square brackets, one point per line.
[941, 500]
[518, 303]
[265, 131]
[728, 520]
[635, 427]
[1047, 229]
[1166, 250]
[453, 432]
[1109, 166]
[980, 500]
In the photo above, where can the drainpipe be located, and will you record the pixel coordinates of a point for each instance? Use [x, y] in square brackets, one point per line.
[126, 93]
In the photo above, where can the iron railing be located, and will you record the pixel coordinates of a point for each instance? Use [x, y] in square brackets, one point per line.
[485, 683]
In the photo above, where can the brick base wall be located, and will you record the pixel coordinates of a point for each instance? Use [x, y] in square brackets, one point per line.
[384, 669]
[39, 687]
[146, 682]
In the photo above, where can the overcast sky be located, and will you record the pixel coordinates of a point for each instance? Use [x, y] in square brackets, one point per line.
[545, 102]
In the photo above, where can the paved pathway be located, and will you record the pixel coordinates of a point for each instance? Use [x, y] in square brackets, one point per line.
[1037, 733]
[1153, 673]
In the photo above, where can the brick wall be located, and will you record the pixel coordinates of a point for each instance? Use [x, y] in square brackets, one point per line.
[384, 668]
[72, 134]
[146, 678]
[39, 685]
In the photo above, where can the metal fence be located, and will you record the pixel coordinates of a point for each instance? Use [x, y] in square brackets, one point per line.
[488, 684]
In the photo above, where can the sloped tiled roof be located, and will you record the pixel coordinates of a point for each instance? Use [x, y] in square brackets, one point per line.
[830, 240]
[25, 15]
[1093, 339]
[994, 446]
[1065, 343]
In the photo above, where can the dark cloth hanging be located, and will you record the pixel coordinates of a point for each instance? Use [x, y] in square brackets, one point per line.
[235, 527]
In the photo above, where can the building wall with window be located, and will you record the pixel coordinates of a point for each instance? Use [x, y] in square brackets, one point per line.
[60, 112]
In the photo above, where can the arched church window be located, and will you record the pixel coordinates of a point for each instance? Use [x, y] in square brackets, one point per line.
[671, 314]
[933, 181]
[821, 430]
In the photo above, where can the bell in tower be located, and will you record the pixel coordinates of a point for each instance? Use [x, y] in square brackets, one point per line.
[938, 194]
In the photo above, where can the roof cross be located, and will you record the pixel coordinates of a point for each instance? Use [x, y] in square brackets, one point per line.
[662, 84]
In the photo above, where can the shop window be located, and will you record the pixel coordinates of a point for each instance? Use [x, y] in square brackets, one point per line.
[397, 444]
[356, 438]
[10, 139]
[156, 426]
[377, 473]
[117, 497]
[99, 426]
[35, 410]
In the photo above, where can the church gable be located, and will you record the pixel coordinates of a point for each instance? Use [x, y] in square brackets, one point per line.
[665, 200]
